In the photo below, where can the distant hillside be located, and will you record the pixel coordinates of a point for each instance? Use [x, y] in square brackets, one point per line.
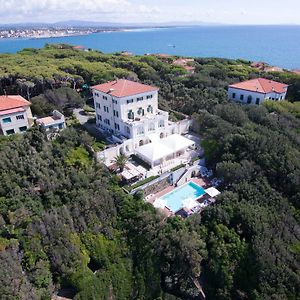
[78, 23]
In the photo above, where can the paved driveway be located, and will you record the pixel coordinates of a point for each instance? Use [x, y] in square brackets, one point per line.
[81, 115]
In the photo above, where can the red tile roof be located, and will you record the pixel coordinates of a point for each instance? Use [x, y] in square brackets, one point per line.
[11, 111]
[12, 101]
[261, 85]
[124, 88]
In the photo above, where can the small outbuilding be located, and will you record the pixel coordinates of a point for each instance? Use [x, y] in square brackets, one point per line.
[56, 121]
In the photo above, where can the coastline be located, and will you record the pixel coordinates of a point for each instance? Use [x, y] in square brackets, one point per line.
[189, 41]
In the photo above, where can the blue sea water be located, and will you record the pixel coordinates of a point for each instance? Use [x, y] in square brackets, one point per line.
[277, 45]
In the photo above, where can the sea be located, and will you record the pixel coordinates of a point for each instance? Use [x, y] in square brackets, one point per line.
[276, 45]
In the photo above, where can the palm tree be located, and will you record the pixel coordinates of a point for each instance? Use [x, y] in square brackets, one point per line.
[121, 160]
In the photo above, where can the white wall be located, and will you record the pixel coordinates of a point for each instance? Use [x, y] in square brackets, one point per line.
[254, 95]
[121, 108]
[15, 124]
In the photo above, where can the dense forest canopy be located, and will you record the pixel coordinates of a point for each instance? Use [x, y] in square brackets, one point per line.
[66, 223]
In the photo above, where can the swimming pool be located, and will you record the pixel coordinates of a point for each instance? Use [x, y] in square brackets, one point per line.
[178, 198]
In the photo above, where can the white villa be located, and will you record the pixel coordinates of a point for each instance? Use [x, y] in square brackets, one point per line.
[15, 114]
[255, 91]
[54, 122]
[129, 111]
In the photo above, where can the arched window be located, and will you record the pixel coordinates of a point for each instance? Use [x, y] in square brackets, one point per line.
[141, 111]
[150, 109]
[161, 135]
[130, 114]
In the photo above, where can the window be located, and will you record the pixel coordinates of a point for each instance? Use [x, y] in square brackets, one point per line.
[257, 100]
[140, 99]
[99, 118]
[106, 109]
[127, 129]
[60, 126]
[233, 95]
[150, 109]
[151, 127]
[117, 126]
[141, 111]
[6, 120]
[115, 101]
[130, 114]
[106, 121]
[96, 94]
[129, 101]
[23, 128]
[116, 113]
[149, 96]
[10, 131]
[242, 97]
[161, 123]
[249, 99]
[98, 105]
[20, 117]
[140, 130]
[104, 97]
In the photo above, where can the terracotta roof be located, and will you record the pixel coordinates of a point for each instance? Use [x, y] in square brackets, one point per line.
[11, 111]
[123, 88]
[189, 68]
[12, 101]
[261, 85]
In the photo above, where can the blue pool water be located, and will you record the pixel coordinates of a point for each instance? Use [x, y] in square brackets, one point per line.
[175, 199]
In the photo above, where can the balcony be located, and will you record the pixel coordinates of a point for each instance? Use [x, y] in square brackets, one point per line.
[139, 120]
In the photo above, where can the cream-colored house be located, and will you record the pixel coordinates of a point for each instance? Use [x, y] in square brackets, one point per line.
[15, 114]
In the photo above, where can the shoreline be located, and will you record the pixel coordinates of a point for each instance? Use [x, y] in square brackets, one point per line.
[83, 33]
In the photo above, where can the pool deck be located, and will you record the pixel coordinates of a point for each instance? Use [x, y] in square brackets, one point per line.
[151, 198]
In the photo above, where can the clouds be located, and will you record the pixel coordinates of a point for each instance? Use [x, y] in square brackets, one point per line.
[131, 11]
[57, 9]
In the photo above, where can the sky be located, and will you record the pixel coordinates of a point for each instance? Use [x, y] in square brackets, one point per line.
[137, 11]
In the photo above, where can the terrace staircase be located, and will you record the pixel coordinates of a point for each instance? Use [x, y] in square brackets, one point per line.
[188, 174]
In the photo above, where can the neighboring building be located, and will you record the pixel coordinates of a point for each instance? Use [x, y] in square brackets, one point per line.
[273, 69]
[264, 67]
[127, 53]
[259, 65]
[54, 122]
[128, 111]
[190, 70]
[15, 114]
[296, 72]
[183, 61]
[80, 48]
[255, 91]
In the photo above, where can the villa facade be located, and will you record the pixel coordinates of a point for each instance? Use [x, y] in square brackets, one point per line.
[128, 111]
[255, 91]
[15, 114]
